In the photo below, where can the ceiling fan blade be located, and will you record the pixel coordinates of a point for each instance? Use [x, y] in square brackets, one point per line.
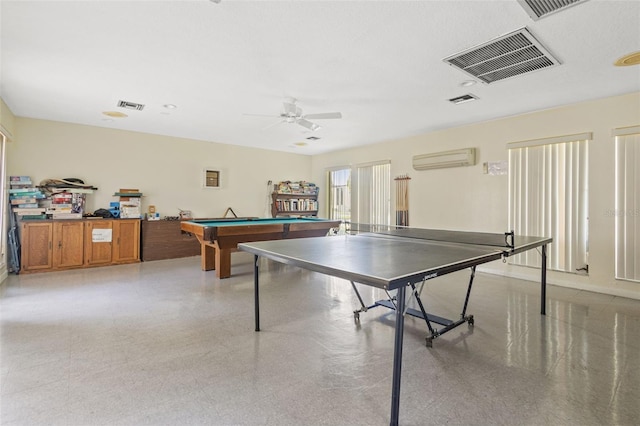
[323, 115]
[273, 124]
[290, 108]
[262, 115]
[306, 123]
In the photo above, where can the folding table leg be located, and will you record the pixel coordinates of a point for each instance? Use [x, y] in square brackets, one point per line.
[256, 272]
[543, 282]
[363, 307]
[397, 358]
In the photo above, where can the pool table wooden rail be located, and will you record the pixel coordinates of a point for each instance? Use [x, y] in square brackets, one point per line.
[218, 242]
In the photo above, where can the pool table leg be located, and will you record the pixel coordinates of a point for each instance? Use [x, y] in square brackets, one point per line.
[207, 256]
[223, 262]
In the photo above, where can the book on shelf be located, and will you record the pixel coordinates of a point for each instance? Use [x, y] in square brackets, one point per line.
[38, 195]
[130, 212]
[66, 216]
[61, 200]
[33, 216]
[25, 200]
[295, 188]
[54, 210]
[26, 189]
[128, 194]
[20, 181]
[31, 194]
[301, 204]
[28, 211]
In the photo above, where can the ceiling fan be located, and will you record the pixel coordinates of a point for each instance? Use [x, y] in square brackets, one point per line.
[293, 114]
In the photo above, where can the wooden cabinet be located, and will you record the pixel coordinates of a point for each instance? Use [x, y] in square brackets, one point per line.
[112, 241]
[68, 244]
[294, 204]
[126, 240]
[98, 242]
[163, 239]
[49, 245]
[36, 239]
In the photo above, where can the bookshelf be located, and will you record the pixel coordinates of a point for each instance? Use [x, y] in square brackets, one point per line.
[294, 199]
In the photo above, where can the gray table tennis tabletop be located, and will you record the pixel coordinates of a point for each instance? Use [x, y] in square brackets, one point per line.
[385, 260]
[393, 258]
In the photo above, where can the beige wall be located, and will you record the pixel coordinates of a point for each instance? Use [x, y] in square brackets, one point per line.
[167, 170]
[467, 199]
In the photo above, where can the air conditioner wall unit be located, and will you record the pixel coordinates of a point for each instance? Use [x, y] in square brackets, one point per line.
[440, 160]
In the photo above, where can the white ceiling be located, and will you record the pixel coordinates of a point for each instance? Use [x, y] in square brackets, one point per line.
[377, 62]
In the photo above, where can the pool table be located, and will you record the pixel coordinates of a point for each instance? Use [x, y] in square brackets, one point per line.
[219, 238]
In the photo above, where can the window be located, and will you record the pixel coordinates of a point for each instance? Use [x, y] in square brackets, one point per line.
[548, 197]
[373, 193]
[361, 194]
[3, 202]
[340, 194]
[627, 211]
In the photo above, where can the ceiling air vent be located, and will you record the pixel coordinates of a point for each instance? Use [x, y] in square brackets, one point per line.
[537, 9]
[508, 56]
[130, 105]
[464, 98]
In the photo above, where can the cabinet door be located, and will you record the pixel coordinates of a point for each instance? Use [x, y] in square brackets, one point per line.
[126, 247]
[68, 244]
[36, 240]
[98, 242]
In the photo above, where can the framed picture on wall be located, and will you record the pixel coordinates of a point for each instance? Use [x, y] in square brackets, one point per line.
[212, 178]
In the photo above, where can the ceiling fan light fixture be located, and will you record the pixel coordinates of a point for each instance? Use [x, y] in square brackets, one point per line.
[291, 113]
[115, 114]
[628, 60]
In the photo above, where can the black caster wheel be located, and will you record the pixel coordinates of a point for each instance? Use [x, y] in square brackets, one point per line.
[356, 315]
[471, 321]
[429, 341]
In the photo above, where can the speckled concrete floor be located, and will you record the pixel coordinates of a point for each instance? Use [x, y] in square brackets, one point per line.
[163, 343]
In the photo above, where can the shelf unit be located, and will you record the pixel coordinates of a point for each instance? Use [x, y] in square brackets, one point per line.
[294, 204]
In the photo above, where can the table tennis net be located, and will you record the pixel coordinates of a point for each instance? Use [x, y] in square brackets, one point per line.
[459, 237]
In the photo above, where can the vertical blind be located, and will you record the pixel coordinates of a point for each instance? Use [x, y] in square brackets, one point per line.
[627, 211]
[373, 193]
[548, 197]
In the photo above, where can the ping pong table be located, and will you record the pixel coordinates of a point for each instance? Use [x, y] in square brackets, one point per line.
[394, 258]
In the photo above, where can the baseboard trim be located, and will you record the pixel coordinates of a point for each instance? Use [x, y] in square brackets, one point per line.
[566, 283]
